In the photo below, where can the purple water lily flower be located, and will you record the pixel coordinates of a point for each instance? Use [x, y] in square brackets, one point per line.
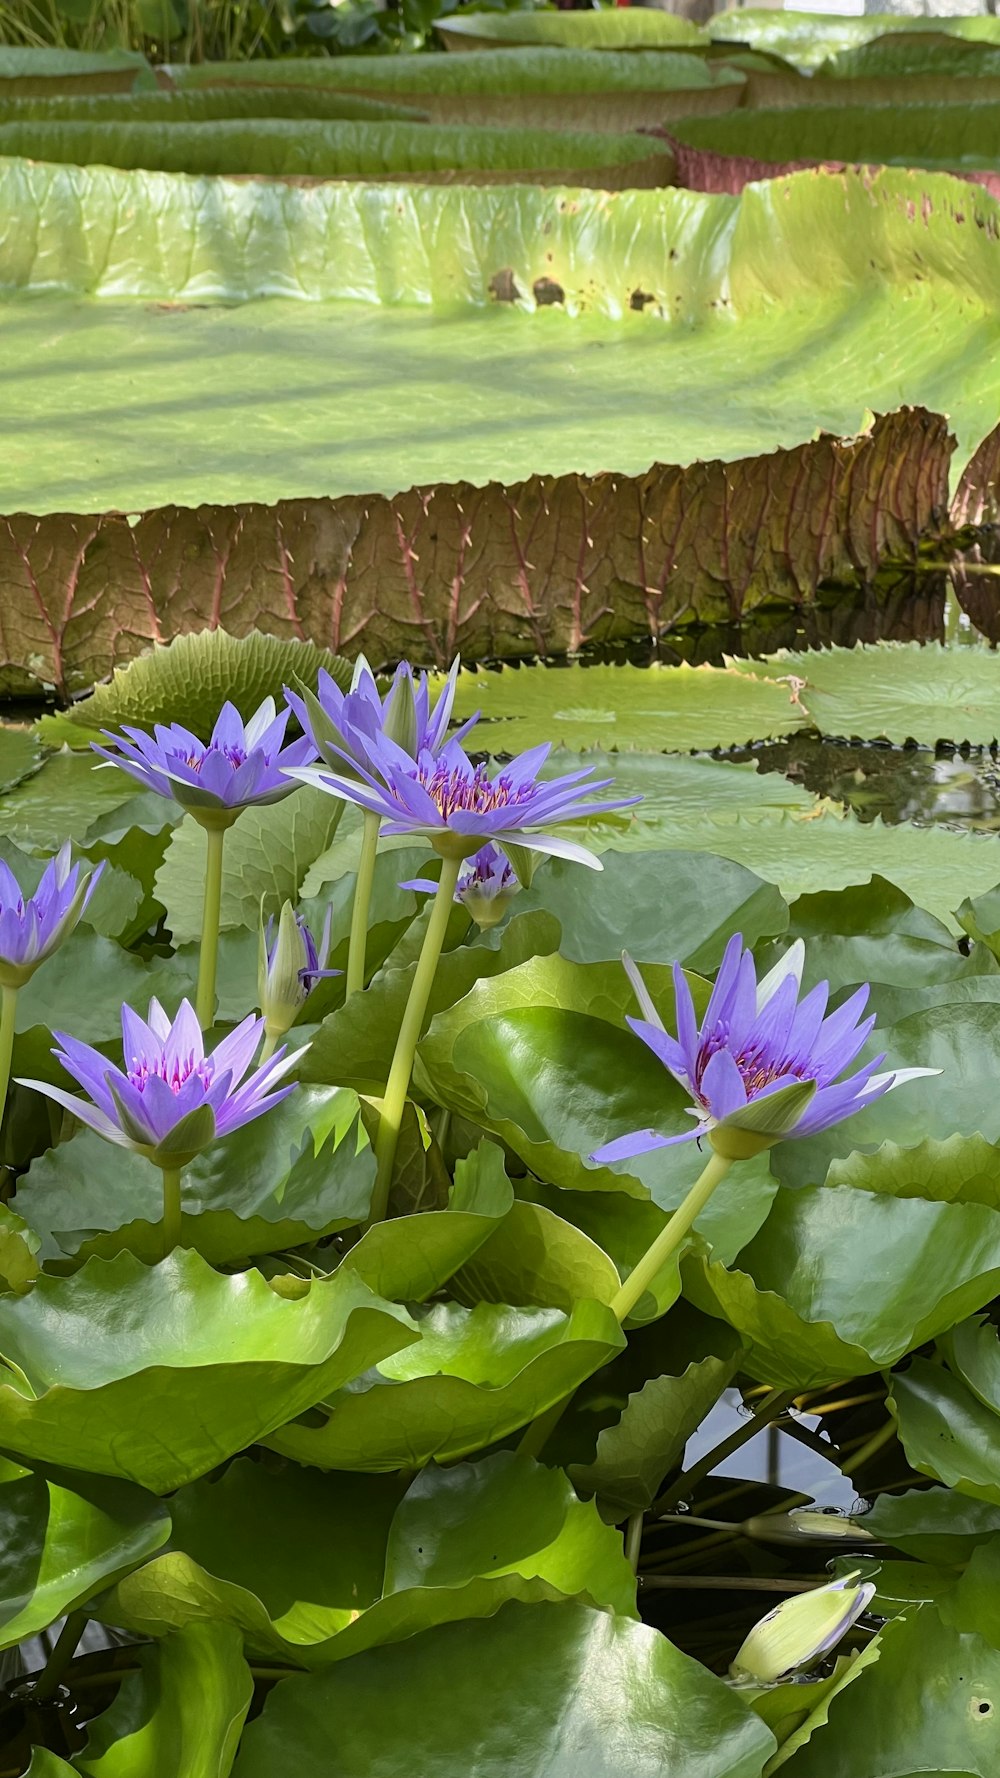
[459, 806]
[32, 927]
[760, 1050]
[171, 1100]
[486, 886]
[345, 726]
[242, 763]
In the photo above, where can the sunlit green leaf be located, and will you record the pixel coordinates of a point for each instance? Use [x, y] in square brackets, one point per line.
[180, 1715]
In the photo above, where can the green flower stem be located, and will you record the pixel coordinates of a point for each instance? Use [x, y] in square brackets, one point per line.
[269, 1045]
[771, 1407]
[63, 1650]
[633, 1540]
[8, 1008]
[398, 1085]
[670, 1236]
[639, 1280]
[205, 1005]
[171, 1209]
[362, 904]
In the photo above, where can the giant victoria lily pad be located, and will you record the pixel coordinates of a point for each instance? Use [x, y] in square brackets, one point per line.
[266, 446]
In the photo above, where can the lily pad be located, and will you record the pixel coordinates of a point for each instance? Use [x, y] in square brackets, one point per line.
[409, 1257]
[597, 30]
[188, 682]
[477, 1375]
[254, 1549]
[156, 1374]
[180, 1716]
[571, 1693]
[945, 1431]
[645, 707]
[64, 1536]
[959, 1170]
[793, 1293]
[895, 691]
[933, 1524]
[808, 38]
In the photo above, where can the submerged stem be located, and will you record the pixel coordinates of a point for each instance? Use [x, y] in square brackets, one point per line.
[773, 1405]
[8, 1008]
[633, 1540]
[398, 1085]
[63, 1650]
[362, 904]
[208, 959]
[171, 1209]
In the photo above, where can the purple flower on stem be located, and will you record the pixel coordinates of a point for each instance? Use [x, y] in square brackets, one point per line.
[486, 885]
[171, 1099]
[32, 927]
[242, 763]
[763, 1066]
[347, 729]
[458, 807]
[343, 726]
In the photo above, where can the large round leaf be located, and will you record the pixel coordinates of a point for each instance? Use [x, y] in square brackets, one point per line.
[661, 907]
[933, 1524]
[592, 30]
[548, 1691]
[945, 1431]
[872, 932]
[476, 1375]
[410, 1257]
[839, 1282]
[156, 1374]
[897, 691]
[254, 1549]
[302, 1172]
[959, 1170]
[62, 1537]
[927, 1705]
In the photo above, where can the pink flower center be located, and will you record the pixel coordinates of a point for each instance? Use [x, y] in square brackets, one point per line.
[176, 1074]
[235, 755]
[757, 1069]
[472, 793]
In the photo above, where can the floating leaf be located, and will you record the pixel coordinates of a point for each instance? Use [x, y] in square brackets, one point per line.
[646, 707]
[661, 907]
[933, 1524]
[20, 756]
[870, 933]
[895, 691]
[64, 1536]
[188, 682]
[599, 30]
[959, 1170]
[571, 1693]
[409, 1257]
[807, 38]
[635, 1452]
[180, 1716]
[477, 1374]
[18, 1246]
[156, 1374]
[945, 1432]
[61, 801]
[793, 1293]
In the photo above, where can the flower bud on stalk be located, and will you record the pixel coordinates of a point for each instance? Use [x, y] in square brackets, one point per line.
[288, 968]
[801, 1629]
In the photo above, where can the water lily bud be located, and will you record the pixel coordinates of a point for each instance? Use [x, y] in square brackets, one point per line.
[801, 1629]
[485, 887]
[807, 1527]
[761, 1123]
[288, 968]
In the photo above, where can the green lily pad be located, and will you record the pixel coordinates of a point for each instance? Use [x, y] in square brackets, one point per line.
[535, 1257]
[180, 1716]
[794, 1711]
[892, 1720]
[635, 1452]
[933, 1524]
[945, 137]
[808, 38]
[19, 1246]
[477, 1375]
[318, 149]
[645, 707]
[64, 1536]
[410, 1257]
[894, 691]
[871, 933]
[972, 1603]
[959, 1170]
[945, 1431]
[61, 801]
[793, 1294]
[254, 1549]
[20, 756]
[188, 682]
[212, 105]
[155, 1374]
[585, 30]
[303, 1172]
[571, 1693]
